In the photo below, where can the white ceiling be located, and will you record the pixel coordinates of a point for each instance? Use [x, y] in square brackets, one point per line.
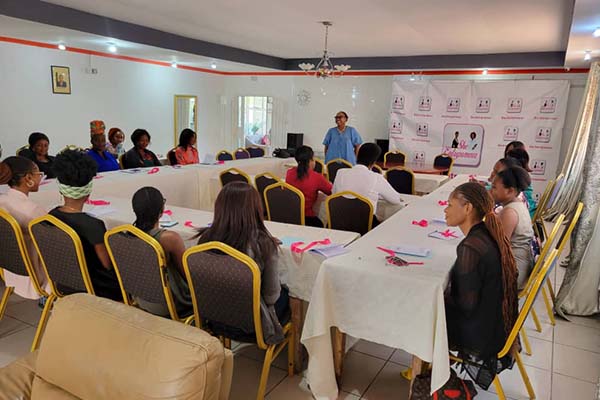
[586, 18]
[362, 28]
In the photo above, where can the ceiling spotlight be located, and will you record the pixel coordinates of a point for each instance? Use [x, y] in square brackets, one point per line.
[62, 47]
[174, 65]
[213, 66]
[112, 48]
[596, 32]
[484, 72]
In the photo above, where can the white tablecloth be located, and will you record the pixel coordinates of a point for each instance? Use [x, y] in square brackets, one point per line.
[401, 307]
[298, 271]
[427, 183]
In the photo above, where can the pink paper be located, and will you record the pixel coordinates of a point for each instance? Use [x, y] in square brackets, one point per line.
[221, 162]
[443, 202]
[153, 170]
[449, 233]
[189, 224]
[423, 223]
[97, 202]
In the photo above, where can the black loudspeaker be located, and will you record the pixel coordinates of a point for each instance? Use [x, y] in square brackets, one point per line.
[294, 140]
[385, 147]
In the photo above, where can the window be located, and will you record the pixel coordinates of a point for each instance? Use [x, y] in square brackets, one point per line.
[255, 117]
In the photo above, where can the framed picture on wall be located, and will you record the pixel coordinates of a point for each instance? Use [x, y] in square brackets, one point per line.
[61, 79]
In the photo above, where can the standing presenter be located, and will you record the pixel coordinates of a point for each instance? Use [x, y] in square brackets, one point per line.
[342, 141]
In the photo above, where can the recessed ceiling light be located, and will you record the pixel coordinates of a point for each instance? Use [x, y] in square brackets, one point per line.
[174, 65]
[213, 66]
[596, 32]
[112, 48]
[62, 47]
[484, 72]
[588, 55]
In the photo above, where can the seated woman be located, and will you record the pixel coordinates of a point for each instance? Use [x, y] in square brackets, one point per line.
[139, 156]
[238, 222]
[186, 153]
[104, 160]
[481, 299]
[522, 157]
[116, 137]
[23, 177]
[75, 172]
[38, 153]
[516, 222]
[309, 182]
[148, 205]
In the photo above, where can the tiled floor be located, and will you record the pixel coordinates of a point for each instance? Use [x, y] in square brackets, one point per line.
[565, 364]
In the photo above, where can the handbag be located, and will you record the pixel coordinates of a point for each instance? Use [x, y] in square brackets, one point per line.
[281, 153]
[454, 389]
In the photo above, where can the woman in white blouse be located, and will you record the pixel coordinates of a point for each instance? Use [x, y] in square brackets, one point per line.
[22, 177]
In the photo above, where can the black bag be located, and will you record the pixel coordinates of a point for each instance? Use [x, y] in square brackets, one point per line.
[281, 153]
[454, 389]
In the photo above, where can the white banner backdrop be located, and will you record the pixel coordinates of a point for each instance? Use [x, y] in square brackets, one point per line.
[473, 121]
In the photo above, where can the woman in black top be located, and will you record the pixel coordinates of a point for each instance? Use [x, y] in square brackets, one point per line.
[481, 300]
[75, 171]
[139, 156]
[38, 153]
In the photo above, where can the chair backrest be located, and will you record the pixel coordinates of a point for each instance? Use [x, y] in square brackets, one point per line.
[443, 161]
[241, 154]
[121, 161]
[349, 211]
[13, 251]
[377, 168]
[557, 185]
[224, 155]
[171, 158]
[537, 220]
[334, 166]
[284, 203]
[566, 234]
[255, 151]
[261, 181]
[320, 166]
[140, 264]
[394, 158]
[20, 149]
[61, 254]
[225, 287]
[233, 175]
[529, 300]
[401, 179]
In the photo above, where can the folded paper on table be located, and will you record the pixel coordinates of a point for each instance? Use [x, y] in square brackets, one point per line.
[438, 220]
[165, 218]
[411, 250]
[131, 171]
[286, 241]
[168, 224]
[331, 250]
[448, 234]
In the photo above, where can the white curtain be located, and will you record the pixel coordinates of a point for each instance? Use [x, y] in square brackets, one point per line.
[183, 114]
[279, 123]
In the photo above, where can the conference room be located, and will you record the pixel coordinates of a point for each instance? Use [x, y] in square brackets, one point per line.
[338, 200]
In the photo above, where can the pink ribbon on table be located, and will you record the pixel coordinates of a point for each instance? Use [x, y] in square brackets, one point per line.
[220, 162]
[422, 223]
[443, 202]
[448, 233]
[99, 177]
[168, 212]
[295, 247]
[189, 224]
[153, 170]
[97, 202]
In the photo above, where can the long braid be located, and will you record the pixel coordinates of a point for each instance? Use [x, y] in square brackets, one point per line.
[484, 206]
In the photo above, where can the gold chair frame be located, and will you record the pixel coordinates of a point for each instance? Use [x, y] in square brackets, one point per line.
[241, 149]
[283, 185]
[55, 293]
[336, 160]
[272, 351]
[412, 189]
[451, 162]
[347, 193]
[323, 166]
[236, 171]
[385, 157]
[21, 149]
[223, 152]
[538, 216]
[378, 168]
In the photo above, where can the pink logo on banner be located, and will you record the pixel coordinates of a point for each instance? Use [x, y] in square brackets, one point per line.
[398, 103]
[511, 133]
[396, 127]
[423, 129]
[548, 105]
[453, 104]
[483, 105]
[424, 103]
[538, 167]
[464, 143]
[418, 156]
[542, 135]
[515, 105]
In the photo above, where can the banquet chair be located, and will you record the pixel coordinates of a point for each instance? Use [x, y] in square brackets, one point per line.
[225, 287]
[557, 185]
[241, 154]
[22, 148]
[349, 211]
[320, 166]
[233, 175]
[394, 158]
[126, 246]
[443, 161]
[284, 203]
[537, 221]
[171, 158]
[121, 161]
[62, 257]
[224, 155]
[255, 151]
[334, 166]
[14, 257]
[376, 168]
[534, 290]
[401, 179]
[261, 181]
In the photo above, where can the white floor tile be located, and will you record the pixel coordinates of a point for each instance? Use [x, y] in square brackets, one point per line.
[389, 384]
[9, 325]
[576, 363]
[541, 354]
[16, 345]
[515, 388]
[246, 377]
[578, 336]
[590, 322]
[295, 388]
[27, 311]
[401, 357]
[373, 349]
[254, 353]
[359, 371]
[567, 388]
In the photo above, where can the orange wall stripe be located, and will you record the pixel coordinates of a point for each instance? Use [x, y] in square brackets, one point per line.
[513, 71]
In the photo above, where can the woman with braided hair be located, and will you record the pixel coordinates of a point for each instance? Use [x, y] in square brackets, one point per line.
[481, 299]
[75, 171]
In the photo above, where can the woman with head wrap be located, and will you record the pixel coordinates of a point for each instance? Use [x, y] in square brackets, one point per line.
[105, 161]
[75, 172]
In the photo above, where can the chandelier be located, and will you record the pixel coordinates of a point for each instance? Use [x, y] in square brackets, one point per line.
[325, 68]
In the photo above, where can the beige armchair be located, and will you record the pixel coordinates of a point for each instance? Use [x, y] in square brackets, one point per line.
[98, 349]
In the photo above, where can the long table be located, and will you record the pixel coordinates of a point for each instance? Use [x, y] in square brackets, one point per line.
[401, 307]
